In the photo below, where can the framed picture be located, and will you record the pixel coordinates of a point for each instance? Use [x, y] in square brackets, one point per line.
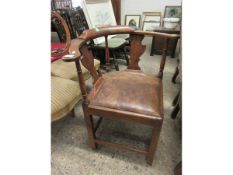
[133, 20]
[98, 13]
[150, 25]
[152, 16]
[172, 12]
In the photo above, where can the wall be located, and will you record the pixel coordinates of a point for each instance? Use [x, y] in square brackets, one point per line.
[76, 3]
[139, 6]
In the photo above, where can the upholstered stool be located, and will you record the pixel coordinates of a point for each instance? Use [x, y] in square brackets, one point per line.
[65, 70]
[65, 94]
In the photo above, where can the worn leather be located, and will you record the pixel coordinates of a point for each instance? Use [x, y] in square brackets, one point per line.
[129, 90]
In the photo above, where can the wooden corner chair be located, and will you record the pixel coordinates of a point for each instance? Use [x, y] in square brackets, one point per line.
[129, 95]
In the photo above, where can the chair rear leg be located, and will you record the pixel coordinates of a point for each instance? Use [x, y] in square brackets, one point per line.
[126, 57]
[176, 73]
[153, 143]
[176, 99]
[72, 113]
[115, 61]
[175, 111]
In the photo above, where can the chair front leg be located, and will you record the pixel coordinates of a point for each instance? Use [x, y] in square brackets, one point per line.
[90, 127]
[154, 141]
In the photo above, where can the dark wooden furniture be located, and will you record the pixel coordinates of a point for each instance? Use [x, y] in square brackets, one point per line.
[58, 53]
[178, 169]
[128, 95]
[109, 46]
[158, 42]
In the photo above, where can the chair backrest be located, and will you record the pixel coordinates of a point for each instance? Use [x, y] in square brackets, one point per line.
[80, 52]
[63, 25]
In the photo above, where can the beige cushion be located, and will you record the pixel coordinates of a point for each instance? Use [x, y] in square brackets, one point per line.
[68, 70]
[65, 94]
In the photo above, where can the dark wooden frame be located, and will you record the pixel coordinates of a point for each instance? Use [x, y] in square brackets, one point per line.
[80, 52]
[139, 24]
[172, 7]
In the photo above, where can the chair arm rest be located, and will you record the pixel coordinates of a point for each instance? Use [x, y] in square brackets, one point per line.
[104, 31]
[74, 52]
[163, 35]
[112, 30]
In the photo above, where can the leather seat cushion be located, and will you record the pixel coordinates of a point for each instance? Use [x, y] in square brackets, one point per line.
[65, 94]
[129, 90]
[68, 70]
[113, 43]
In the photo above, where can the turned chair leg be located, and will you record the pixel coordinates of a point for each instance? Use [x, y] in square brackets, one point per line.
[153, 143]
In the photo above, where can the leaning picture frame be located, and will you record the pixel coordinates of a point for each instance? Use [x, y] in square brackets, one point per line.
[98, 13]
[172, 12]
[133, 20]
[151, 16]
[150, 25]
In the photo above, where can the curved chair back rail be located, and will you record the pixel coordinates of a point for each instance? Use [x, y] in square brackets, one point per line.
[88, 35]
[80, 50]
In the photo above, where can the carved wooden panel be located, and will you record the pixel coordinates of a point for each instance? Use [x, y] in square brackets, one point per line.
[136, 50]
[88, 62]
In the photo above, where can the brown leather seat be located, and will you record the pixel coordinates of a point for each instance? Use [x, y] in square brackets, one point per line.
[142, 94]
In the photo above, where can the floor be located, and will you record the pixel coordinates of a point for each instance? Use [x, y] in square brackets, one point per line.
[71, 154]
